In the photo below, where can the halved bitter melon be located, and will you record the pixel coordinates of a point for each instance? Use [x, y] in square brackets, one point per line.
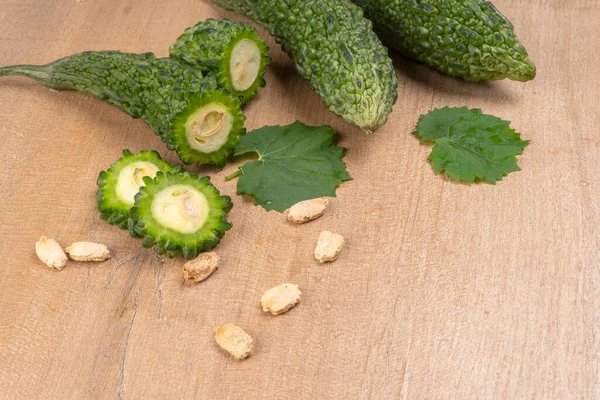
[180, 213]
[233, 51]
[118, 185]
[208, 129]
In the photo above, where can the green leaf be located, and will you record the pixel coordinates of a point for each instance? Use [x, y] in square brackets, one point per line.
[470, 145]
[295, 162]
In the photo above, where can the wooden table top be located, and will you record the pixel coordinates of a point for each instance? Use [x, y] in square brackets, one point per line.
[444, 290]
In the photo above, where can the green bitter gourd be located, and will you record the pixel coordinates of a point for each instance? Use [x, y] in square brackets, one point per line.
[161, 91]
[233, 51]
[469, 39]
[333, 46]
[180, 214]
[118, 185]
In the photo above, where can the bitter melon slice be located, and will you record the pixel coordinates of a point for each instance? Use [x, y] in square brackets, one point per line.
[118, 185]
[180, 213]
[208, 129]
[231, 50]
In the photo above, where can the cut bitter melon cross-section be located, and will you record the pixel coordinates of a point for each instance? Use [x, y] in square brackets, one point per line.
[208, 129]
[232, 51]
[180, 213]
[244, 64]
[118, 185]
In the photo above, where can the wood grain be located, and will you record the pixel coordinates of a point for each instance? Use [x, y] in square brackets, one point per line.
[444, 290]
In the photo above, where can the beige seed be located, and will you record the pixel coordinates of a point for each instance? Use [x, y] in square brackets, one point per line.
[201, 267]
[329, 246]
[88, 251]
[307, 210]
[281, 298]
[234, 340]
[50, 253]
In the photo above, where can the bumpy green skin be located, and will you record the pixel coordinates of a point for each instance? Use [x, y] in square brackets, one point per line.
[208, 46]
[154, 89]
[144, 225]
[469, 39]
[112, 208]
[334, 47]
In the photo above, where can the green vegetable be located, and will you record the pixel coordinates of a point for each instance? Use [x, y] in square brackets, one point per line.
[208, 129]
[161, 91]
[469, 39]
[295, 162]
[233, 51]
[332, 46]
[118, 185]
[180, 213]
[470, 145]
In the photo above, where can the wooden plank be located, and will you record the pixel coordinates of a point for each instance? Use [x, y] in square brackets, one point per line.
[444, 290]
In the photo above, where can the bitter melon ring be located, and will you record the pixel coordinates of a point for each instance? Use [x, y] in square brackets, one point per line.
[180, 213]
[208, 129]
[118, 185]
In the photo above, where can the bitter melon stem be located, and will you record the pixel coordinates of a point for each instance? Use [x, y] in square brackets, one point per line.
[233, 175]
[36, 72]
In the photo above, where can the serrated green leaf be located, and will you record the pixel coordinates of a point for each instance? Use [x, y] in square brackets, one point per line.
[470, 145]
[295, 162]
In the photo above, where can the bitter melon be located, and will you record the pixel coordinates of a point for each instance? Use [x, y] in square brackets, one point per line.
[118, 185]
[333, 46]
[180, 213]
[233, 51]
[208, 129]
[469, 39]
[161, 91]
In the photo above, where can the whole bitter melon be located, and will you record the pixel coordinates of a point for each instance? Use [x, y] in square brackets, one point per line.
[469, 39]
[333, 46]
[158, 90]
[180, 213]
[118, 185]
[232, 51]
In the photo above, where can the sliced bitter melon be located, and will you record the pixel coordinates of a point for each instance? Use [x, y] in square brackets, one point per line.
[208, 129]
[231, 50]
[118, 185]
[180, 213]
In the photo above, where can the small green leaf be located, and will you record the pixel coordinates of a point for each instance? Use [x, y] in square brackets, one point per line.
[470, 145]
[295, 162]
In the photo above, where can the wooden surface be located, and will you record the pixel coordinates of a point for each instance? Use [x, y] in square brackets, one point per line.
[444, 290]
